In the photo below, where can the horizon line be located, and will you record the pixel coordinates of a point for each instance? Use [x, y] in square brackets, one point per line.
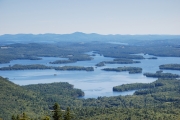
[81, 33]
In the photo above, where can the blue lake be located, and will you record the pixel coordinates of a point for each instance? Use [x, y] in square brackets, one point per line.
[95, 83]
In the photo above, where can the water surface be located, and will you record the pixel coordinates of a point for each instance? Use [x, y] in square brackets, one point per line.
[95, 83]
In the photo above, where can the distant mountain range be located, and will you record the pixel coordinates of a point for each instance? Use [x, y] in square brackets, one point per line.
[79, 37]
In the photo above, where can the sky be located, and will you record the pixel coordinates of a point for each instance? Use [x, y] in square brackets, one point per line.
[90, 16]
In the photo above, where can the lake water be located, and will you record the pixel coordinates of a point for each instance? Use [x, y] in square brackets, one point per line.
[95, 83]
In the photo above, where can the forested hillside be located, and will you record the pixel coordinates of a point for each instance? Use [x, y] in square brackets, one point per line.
[158, 100]
[15, 99]
[35, 100]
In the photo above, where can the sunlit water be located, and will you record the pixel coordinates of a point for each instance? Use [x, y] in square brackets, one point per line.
[95, 83]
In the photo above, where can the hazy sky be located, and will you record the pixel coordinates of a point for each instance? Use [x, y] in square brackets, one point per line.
[90, 16]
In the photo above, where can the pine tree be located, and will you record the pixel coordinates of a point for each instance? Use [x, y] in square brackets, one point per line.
[67, 115]
[57, 112]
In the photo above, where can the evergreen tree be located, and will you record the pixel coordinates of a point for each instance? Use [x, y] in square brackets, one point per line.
[57, 112]
[67, 115]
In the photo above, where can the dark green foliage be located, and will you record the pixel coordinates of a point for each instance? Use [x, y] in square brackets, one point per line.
[100, 64]
[117, 61]
[161, 75]
[61, 92]
[137, 86]
[42, 67]
[26, 67]
[162, 101]
[120, 69]
[170, 66]
[81, 57]
[57, 114]
[121, 61]
[75, 68]
[68, 115]
[57, 88]
[62, 61]
[161, 104]
[128, 114]
[35, 100]
[14, 99]
[163, 86]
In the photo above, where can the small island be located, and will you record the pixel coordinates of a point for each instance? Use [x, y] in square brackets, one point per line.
[43, 67]
[170, 66]
[80, 57]
[74, 68]
[161, 75]
[100, 64]
[27, 67]
[121, 61]
[152, 58]
[62, 61]
[131, 70]
[117, 61]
